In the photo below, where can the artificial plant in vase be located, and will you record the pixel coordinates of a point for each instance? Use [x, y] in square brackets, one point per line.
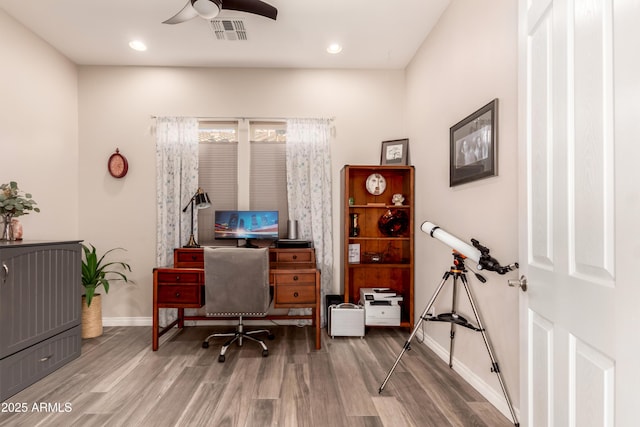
[95, 273]
[13, 203]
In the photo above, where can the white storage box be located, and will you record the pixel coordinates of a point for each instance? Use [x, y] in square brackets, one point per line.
[382, 315]
[346, 320]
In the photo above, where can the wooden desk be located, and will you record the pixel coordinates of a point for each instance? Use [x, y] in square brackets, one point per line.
[292, 273]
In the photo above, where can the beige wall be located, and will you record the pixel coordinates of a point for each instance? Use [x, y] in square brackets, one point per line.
[469, 59]
[116, 104]
[38, 130]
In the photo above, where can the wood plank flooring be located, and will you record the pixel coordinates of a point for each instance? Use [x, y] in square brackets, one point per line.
[119, 381]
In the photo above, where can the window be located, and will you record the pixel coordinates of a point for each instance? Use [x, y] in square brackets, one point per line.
[268, 178]
[217, 172]
[242, 166]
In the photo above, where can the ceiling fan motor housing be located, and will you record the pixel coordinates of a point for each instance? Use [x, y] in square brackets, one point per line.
[207, 9]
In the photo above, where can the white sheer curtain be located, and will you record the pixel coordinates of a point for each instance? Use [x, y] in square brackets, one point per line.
[176, 182]
[309, 191]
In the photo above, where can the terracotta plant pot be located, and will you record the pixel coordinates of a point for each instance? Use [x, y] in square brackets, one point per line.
[92, 317]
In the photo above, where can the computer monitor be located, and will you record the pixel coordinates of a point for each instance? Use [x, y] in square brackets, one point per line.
[234, 224]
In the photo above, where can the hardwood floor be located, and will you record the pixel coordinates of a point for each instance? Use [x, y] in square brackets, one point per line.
[119, 381]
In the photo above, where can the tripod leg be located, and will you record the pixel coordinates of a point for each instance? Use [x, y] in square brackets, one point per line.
[454, 310]
[407, 344]
[494, 364]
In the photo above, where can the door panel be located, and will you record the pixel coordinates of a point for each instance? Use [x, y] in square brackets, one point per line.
[541, 372]
[590, 141]
[568, 208]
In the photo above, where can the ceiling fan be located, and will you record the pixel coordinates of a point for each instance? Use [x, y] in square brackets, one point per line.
[209, 9]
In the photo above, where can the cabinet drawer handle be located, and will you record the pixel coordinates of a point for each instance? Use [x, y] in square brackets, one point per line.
[295, 294]
[177, 294]
[177, 278]
[44, 359]
[6, 272]
[193, 257]
[295, 277]
[295, 257]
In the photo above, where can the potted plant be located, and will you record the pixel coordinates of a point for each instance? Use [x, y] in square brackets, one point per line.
[95, 273]
[13, 203]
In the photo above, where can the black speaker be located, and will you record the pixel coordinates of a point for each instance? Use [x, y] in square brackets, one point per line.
[332, 299]
[293, 244]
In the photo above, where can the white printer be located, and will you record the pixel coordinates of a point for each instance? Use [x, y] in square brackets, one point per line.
[381, 306]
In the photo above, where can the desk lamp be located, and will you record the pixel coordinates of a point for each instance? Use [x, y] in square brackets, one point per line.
[201, 201]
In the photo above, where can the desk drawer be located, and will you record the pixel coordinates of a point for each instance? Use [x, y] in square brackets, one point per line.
[295, 295]
[188, 258]
[295, 256]
[181, 295]
[174, 276]
[291, 278]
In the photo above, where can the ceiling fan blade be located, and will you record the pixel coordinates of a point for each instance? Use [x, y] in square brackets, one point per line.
[256, 7]
[187, 12]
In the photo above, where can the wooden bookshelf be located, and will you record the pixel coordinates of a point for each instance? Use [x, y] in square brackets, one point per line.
[384, 260]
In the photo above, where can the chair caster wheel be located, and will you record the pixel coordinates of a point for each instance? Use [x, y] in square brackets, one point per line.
[265, 353]
[271, 337]
[221, 358]
[205, 344]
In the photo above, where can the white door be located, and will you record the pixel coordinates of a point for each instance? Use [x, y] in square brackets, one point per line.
[579, 132]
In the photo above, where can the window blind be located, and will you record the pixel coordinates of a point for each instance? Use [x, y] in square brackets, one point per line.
[217, 173]
[268, 179]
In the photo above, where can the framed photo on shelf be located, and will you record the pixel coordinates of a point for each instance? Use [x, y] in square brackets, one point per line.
[473, 145]
[395, 152]
[354, 253]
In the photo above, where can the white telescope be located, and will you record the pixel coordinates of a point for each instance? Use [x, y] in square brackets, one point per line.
[451, 241]
[477, 252]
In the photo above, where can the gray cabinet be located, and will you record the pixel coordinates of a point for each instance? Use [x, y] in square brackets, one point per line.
[40, 310]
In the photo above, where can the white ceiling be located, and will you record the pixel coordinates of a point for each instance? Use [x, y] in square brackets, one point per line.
[375, 34]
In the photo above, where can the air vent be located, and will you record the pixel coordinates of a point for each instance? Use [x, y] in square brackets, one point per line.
[229, 29]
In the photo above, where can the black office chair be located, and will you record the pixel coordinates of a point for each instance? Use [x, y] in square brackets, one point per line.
[237, 285]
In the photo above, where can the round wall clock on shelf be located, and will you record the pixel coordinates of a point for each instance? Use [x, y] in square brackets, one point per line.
[117, 165]
[376, 184]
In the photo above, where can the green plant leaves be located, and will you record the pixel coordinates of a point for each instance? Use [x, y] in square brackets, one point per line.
[95, 273]
[12, 202]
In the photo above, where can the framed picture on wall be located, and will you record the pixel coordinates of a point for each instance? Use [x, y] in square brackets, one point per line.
[473, 145]
[395, 152]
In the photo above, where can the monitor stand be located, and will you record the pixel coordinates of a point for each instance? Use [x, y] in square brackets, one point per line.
[249, 244]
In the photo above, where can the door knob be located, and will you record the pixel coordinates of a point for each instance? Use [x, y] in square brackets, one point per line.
[522, 283]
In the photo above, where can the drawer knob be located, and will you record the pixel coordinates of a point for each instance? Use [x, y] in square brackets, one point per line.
[177, 278]
[44, 359]
[295, 257]
[295, 294]
[177, 294]
[295, 277]
[193, 257]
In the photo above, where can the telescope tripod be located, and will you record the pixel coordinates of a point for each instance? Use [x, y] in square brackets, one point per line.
[457, 271]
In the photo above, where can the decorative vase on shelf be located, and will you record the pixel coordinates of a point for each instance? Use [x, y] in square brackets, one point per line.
[354, 230]
[16, 226]
[7, 228]
[393, 223]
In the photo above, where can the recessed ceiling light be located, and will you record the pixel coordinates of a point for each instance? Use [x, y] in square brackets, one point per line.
[137, 45]
[334, 48]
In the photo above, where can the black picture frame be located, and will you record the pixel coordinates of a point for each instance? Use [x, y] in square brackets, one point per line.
[395, 152]
[473, 146]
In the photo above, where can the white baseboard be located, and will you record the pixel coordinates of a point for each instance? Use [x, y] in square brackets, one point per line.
[496, 398]
[126, 321]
